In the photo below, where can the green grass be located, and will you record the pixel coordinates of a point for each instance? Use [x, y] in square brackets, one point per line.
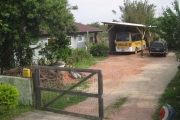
[9, 114]
[88, 63]
[118, 103]
[66, 100]
[170, 96]
[111, 109]
[63, 102]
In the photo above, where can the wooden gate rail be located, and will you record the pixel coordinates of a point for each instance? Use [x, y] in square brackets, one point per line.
[38, 89]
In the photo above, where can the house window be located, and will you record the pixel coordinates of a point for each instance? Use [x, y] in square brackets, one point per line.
[80, 38]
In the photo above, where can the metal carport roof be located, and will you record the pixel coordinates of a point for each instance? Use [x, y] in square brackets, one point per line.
[124, 23]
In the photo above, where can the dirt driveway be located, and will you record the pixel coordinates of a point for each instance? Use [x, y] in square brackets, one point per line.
[142, 80]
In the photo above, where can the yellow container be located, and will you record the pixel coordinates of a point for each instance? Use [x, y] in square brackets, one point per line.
[26, 72]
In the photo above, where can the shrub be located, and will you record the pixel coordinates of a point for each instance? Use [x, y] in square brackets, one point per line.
[99, 50]
[80, 55]
[9, 96]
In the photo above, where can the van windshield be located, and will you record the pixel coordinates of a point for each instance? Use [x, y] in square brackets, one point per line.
[157, 45]
[122, 37]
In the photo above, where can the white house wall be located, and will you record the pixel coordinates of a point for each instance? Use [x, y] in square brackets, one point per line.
[75, 43]
[42, 41]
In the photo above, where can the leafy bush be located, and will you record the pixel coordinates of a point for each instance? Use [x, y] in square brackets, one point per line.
[80, 55]
[177, 54]
[99, 50]
[57, 49]
[9, 96]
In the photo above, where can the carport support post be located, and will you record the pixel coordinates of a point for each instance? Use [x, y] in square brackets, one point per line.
[37, 90]
[142, 49]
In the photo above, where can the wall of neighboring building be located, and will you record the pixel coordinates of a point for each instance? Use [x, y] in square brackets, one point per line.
[77, 41]
[42, 41]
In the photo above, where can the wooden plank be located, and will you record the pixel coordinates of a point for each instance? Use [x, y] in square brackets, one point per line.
[100, 83]
[71, 88]
[101, 108]
[100, 93]
[37, 91]
[65, 69]
[70, 92]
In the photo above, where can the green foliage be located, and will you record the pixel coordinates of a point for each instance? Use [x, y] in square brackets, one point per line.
[112, 108]
[99, 50]
[101, 35]
[168, 26]
[170, 96]
[9, 98]
[88, 45]
[89, 62]
[57, 50]
[136, 11]
[22, 23]
[81, 55]
[19, 109]
[22, 29]
[118, 103]
[65, 101]
[177, 53]
[9, 95]
[59, 23]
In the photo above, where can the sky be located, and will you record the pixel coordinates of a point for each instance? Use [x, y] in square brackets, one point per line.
[90, 11]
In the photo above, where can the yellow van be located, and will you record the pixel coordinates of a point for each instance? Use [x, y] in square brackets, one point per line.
[129, 42]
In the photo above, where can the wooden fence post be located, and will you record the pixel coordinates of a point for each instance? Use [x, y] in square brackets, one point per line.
[100, 92]
[37, 91]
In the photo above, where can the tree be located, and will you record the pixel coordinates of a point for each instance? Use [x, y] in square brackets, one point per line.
[168, 26]
[22, 22]
[101, 35]
[58, 22]
[136, 11]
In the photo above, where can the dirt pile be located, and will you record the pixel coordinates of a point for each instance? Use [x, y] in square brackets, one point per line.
[48, 78]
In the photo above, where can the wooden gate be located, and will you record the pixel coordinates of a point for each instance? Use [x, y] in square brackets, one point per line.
[38, 90]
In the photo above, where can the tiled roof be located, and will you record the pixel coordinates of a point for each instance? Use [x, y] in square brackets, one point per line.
[44, 32]
[81, 29]
[85, 28]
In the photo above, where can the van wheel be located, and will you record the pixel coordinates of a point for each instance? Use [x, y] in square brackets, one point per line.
[164, 55]
[136, 50]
